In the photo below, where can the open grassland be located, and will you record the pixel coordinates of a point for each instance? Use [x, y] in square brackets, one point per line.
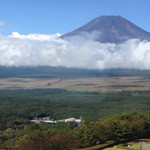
[111, 84]
[125, 147]
[134, 145]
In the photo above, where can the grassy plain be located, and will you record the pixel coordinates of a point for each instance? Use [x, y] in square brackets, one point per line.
[124, 147]
[110, 84]
[133, 145]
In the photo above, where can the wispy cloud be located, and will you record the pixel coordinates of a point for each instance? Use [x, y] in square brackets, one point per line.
[1, 23]
[78, 51]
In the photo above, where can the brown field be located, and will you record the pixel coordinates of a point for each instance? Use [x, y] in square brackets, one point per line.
[79, 84]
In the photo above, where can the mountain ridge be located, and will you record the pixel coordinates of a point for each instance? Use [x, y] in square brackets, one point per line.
[112, 29]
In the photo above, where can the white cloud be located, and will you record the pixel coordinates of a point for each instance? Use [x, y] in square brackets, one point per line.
[78, 51]
[40, 37]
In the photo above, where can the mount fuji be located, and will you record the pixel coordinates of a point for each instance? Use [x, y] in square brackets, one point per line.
[111, 29]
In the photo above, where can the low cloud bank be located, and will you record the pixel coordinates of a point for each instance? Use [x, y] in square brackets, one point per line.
[78, 51]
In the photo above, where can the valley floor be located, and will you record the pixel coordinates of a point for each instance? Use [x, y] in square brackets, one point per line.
[110, 84]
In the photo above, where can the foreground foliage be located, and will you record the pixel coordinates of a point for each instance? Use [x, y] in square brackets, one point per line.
[38, 136]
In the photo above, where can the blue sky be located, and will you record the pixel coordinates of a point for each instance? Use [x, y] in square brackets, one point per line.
[53, 16]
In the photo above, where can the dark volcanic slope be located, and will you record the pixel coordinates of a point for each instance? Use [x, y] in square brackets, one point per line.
[113, 29]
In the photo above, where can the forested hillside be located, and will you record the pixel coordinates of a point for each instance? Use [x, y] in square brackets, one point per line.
[18, 107]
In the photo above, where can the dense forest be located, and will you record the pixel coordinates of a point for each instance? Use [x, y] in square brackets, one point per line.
[102, 113]
[23, 105]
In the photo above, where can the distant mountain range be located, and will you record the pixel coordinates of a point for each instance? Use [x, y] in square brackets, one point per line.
[62, 72]
[112, 29]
